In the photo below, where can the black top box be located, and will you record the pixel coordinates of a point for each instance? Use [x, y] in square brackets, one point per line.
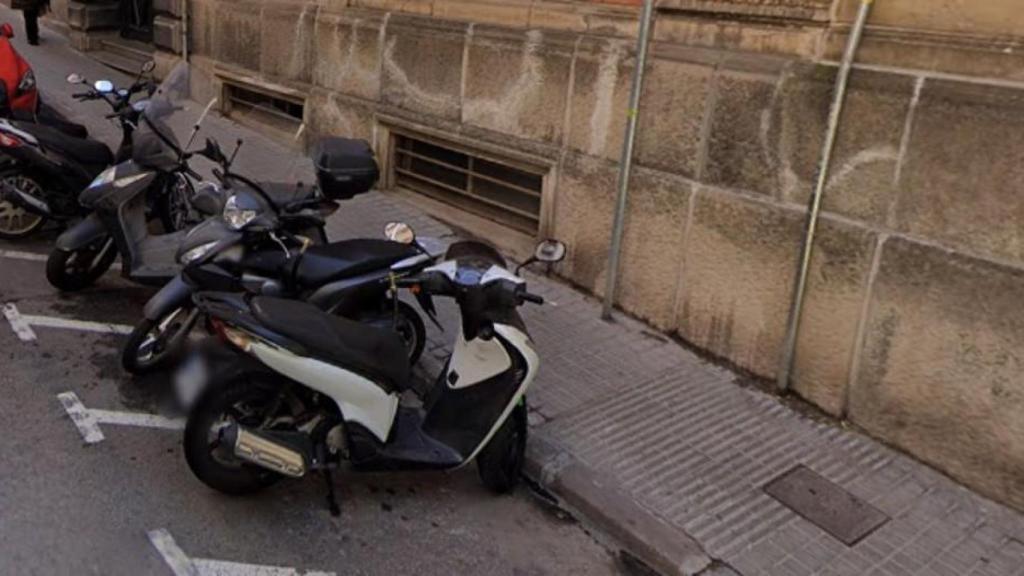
[344, 167]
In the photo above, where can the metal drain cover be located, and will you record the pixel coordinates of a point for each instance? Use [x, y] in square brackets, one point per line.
[828, 506]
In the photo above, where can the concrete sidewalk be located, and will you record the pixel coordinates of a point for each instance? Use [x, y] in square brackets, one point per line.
[663, 451]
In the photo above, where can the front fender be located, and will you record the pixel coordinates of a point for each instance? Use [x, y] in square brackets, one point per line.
[174, 294]
[82, 234]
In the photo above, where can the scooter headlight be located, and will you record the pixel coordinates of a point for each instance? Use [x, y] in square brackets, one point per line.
[196, 253]
[28, 82]
[235, 215]
[105, 177]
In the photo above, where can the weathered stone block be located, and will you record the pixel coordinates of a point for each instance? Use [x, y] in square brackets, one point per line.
[422, 67]
[511, 13]
[202, 26]
[93, 16]
[965, 167]
[236, 33]
[940, 373]
[600, 97]
[286, 49]
[167, 33]
[518, 84]
[862, 175]
[739, 268]
[654, 234]
[671, 115]
[331, 114]
[348, 55]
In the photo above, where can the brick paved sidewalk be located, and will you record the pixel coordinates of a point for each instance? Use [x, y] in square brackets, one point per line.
[679, 437]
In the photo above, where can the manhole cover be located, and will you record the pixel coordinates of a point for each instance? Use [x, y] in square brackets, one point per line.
[834, 510]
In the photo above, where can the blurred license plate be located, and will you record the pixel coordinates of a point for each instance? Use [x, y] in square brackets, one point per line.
[190, 380]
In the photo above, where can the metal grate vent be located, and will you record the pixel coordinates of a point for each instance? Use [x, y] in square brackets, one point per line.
[487, 187]
[280, 112]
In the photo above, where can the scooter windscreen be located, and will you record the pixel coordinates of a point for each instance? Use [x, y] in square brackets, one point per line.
[470, 263]
[156, 144]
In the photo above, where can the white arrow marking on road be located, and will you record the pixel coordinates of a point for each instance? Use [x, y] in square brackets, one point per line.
[36, 257]
[22, 324]
[181, 565]
[88, 420]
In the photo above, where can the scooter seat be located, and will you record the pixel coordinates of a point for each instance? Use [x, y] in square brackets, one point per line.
[82, 150]
[348, 258]
[378, 354]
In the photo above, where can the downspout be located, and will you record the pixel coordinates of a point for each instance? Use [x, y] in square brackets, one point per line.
[838, 101]
[626, 161]
[184, 30]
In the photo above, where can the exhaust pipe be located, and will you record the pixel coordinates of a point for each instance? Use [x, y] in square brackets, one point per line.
[26, 201]
[269, 453]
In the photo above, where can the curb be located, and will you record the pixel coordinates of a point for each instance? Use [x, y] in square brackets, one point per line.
[598, 498]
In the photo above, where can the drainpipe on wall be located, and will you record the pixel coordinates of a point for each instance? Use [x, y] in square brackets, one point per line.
[626, 162]
[838, 101]
[184, 30]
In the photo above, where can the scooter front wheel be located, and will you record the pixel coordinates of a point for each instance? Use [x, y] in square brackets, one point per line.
[73, 270]
[155, 344]
[500, 463]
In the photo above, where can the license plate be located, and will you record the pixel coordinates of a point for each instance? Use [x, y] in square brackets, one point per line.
[190, 380]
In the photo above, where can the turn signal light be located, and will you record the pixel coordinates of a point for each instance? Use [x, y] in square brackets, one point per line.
[9, 141]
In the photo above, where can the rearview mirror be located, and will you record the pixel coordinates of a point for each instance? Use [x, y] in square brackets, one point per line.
[7, 31]
[549, 251]
[104, 86]
[75, 78]
[399, 232]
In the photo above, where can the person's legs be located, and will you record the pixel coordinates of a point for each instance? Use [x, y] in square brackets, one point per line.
[32, 26]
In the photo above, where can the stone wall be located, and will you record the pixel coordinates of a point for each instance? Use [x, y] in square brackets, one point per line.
[913, 327]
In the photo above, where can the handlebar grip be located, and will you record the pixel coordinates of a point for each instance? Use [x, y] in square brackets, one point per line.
[528, 297]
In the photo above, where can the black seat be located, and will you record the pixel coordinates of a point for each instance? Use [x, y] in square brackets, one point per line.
[284, 193]
[378, 354]
[329, 262]
[82, 150]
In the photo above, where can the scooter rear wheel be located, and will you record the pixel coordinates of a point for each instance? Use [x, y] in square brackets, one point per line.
[242, 401]
[73, 270]
[15, 221]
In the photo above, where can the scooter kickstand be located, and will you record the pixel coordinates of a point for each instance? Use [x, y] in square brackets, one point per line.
[332, 502]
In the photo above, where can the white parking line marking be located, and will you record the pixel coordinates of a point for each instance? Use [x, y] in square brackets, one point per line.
[181, 565]
[18, 324]
[173, 555]
[139, 419]
[88, 420]
[83, 325]
[36, 257]
[83, 419]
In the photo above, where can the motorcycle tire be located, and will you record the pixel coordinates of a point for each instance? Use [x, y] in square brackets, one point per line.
[145, 352]
[62, 268]
[236, 477]
[15, 222]
[500, 463]
[173, 206]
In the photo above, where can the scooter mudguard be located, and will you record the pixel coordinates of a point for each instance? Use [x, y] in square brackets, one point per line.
[82, 234]
[173, 295]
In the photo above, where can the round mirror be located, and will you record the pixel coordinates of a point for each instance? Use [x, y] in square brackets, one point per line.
[549, 251]
[75, 78]
[122, 92]
[104, 86]
[148, 66]
[399, 232]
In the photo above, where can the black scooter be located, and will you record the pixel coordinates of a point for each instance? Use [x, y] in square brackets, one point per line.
[42, 168]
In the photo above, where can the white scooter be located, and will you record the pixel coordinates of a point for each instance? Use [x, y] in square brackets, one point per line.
[303, 390]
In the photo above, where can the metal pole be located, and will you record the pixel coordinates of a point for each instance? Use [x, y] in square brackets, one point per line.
[839, 99]
[184, 30]
[626, 162]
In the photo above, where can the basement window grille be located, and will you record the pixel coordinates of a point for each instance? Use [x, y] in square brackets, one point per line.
[285, 113]
[487, 187]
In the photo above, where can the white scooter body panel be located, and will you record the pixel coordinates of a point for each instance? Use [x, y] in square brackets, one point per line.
[475, 361]
[359, 399]
[522, 343]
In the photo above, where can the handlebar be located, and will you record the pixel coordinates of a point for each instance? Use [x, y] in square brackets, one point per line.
[530, 297]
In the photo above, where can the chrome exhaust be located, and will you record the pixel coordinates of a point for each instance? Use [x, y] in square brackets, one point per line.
[270, 454]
